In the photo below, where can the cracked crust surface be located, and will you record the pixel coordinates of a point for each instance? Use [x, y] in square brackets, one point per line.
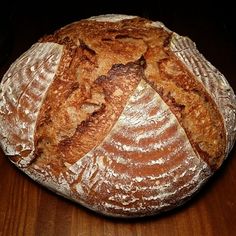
[97, 46]
[124, 127]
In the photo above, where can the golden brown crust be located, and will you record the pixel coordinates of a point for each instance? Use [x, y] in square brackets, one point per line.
[84, 118]
[97, 46]
[192, 105]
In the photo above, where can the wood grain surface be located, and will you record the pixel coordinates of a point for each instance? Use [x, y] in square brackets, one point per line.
[28, 209]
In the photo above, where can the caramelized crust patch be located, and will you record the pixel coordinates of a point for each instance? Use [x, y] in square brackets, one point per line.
[101, 66]
[83, 120]
[191, 104]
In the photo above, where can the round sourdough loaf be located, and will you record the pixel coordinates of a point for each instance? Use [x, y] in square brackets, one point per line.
[117, 113]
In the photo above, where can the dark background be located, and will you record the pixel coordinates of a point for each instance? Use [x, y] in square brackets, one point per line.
[210, 24]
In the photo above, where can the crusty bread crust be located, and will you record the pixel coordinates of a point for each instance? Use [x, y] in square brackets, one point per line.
[126, 124]
[214, 82]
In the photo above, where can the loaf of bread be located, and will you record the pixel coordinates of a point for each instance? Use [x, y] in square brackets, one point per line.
[117, 113]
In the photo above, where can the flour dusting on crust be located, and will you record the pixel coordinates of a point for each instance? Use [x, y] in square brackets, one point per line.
[22, 92]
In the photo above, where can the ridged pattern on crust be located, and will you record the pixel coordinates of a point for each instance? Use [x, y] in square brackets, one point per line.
[22, 91]
[146, 136]
[216, 84]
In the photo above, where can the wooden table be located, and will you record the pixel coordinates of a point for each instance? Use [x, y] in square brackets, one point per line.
[28, 209]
